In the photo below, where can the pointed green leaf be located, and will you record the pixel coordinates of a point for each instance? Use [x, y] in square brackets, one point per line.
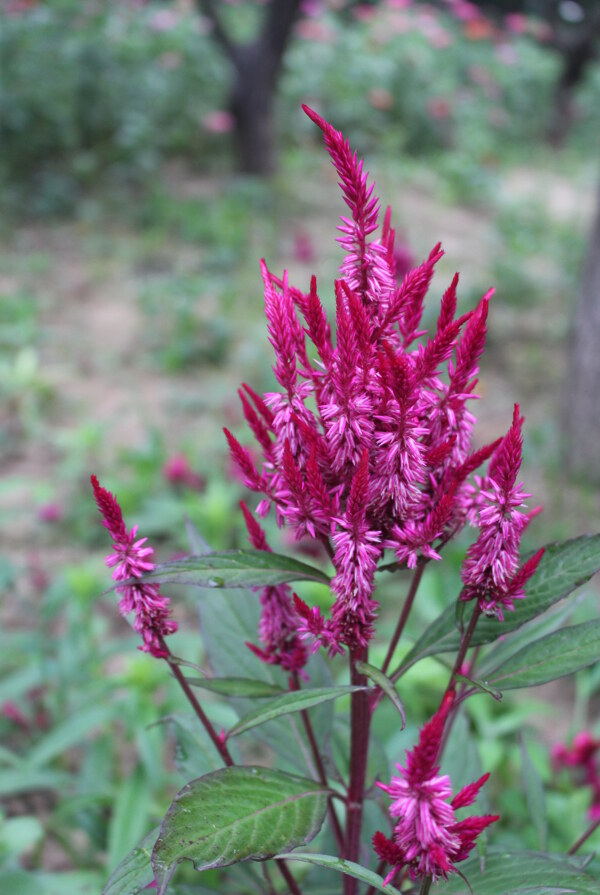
[235, 568]
[563, 568]
[198, 546]
[76, 728]
[382, 681]
[296, 701]
[237, 814]
[519, 873]
[535, 796]
[129, 814]
[480, 685]
[555, 655]
[349, 868]
[135, 871]
[236, 686]
[195, 753]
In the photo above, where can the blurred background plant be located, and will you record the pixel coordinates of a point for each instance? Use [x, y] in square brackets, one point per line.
[131, 310]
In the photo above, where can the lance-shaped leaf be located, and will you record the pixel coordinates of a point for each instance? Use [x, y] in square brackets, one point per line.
[563, 568]
[232, 568]
[385, 684]
[535, 796]
[296, 701]
[236, 686]
[555, 655]
[134, 873]
[237, 814]
[519, 873]
[349, 868]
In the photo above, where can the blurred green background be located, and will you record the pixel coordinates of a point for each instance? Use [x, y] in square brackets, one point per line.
[131, 311]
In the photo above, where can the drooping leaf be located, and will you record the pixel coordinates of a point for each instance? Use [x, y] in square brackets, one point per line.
[383, 681]
[519, 873]
[237, 814]
[535, 796]
[349, 868]
[235, 568]
[483, 686]
[135, 871]
[296, 701]
[236, 686]
[563, 568]
[555, 655]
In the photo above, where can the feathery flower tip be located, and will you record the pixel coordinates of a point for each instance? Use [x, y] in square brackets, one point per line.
[130, 559]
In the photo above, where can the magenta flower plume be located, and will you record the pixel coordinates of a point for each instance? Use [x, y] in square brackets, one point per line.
[366, 439]
[279, 621]
[131, 559]
[582, 757]
[491, 572]
[428, 839]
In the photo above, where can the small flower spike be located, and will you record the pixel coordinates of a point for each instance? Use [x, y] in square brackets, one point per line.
[491, 572]
[428, 839]
[131, 559]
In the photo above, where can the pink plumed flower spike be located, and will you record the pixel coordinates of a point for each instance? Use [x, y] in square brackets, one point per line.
[131, 560]
[428, 839]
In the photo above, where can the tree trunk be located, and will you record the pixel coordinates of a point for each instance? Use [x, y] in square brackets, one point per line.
[252, 102]
[582, 397]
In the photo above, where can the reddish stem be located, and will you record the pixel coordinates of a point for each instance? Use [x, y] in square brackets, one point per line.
[335, 823]
[408, 603]
[360, 720]
[220, 744]
[591, 829]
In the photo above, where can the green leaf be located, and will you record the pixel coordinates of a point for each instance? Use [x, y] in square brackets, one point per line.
[12, 782]
[198, 546]
[236, 686]
[382, 681]
[70, 733]
[237, 814]
[563, 568]
[78, 882]
[519, 873]
[347, 867]
[134, 872]
[555, 655]
[535, 796]
[235, 568]
[195, 753]
[480, 685]
[129, 816]
[233, 620]
[296, 701]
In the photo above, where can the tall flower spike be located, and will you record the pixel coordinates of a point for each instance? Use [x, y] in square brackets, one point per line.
[491, 571]
[131, 559]
[428, 838]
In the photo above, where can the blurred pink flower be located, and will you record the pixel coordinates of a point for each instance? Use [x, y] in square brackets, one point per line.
[219, 121]
[438, 108]
[178, 471]
[304, 250]
[163, 20]
[50, 512]
[11, 711]
[516, 22]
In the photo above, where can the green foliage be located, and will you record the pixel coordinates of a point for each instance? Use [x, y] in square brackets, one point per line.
[236, 814]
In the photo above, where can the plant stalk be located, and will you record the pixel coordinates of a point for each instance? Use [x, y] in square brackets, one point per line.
[425, 885]
[286, 874]
[408, 604]
[360, 720]
[591, 829]
[219, 744]
[335, 823]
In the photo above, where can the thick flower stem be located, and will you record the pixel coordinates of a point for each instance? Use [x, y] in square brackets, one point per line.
[360, 719]
[220, 745]
[591, 829]
[408, 603]
[425, 885]
[310, 734]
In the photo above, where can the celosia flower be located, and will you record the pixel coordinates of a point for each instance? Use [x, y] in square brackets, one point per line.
[279, 621]
[428, 838]
[491, 572]
[131, 559]
[366, 443]
[583, 756]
